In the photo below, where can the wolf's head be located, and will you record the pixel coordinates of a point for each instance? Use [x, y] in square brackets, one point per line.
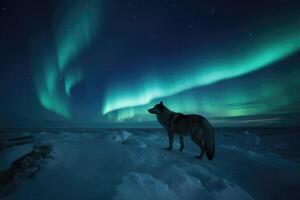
[157, 109]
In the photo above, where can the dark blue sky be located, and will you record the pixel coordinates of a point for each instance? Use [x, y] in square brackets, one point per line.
[89, 62]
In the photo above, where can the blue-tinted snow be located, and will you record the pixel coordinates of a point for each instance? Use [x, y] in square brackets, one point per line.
[121, 164]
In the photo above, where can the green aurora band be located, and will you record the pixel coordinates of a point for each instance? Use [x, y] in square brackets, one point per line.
[71, 79]
[55, 75]
[257, 96]
[264, 51]
[48, 89]
[76, 30]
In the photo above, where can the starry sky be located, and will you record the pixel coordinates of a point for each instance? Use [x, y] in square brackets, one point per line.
[98, 62]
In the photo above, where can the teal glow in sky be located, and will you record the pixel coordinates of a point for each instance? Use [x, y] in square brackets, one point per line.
[48, 89]
[71, 79]
[269, 48]
[75, 30]
[260, 95]
[105, 62]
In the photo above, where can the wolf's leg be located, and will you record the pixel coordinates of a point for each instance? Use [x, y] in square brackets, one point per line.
[181, 142]
[198, 141]
[171, 137]
[201, 154]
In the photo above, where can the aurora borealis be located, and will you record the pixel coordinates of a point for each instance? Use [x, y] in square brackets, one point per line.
[263, 54]
[106, 62]
[74, 32]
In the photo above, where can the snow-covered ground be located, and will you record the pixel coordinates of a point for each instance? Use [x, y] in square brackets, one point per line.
[132, 164]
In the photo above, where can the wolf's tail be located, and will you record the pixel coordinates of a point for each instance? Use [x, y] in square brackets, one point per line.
[209, 139]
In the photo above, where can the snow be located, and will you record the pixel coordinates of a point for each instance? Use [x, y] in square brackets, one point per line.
[132, 164]
[143, 186]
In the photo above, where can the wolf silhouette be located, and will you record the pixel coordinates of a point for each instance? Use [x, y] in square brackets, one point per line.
[197, 126]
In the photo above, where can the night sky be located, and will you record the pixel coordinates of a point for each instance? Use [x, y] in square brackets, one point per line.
[92, 62]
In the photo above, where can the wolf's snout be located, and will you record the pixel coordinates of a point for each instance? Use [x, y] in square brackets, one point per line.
[150, 111]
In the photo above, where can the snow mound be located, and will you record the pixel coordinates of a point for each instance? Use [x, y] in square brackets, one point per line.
[143, 186]
[250, 139]
[185, 186]
[121, 164]
[223, 190]
[121, 136]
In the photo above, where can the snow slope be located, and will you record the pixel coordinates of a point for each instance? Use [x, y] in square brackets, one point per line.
[120, 164]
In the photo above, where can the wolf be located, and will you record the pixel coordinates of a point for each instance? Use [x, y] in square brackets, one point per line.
[198, 127]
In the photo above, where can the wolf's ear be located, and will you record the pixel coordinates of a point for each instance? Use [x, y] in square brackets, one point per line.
[161, 103]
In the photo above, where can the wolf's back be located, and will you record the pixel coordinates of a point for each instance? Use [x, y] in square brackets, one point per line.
[209, 139]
